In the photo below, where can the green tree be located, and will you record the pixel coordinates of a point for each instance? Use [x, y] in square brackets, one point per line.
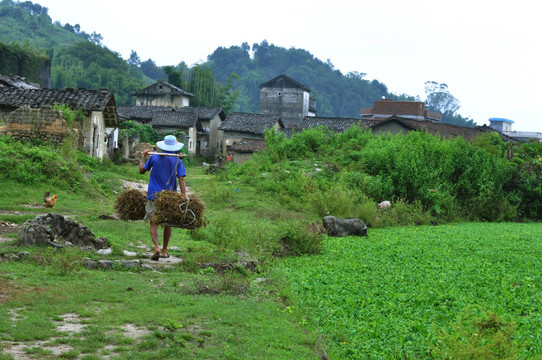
[150, 69]
[440, 100]
[134, 59]
[200, 81]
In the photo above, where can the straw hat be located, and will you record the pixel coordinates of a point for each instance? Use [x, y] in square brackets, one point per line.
[170, 143]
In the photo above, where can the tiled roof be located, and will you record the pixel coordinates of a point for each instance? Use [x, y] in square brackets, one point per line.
[87, 100]
[281, 79]
[77, 99]
[434, 128]
[146, 113]
[15, 81]
[333, 124]
[250, 123]
[157, 89]
[181, 120]
[204, 113]
[141, 113]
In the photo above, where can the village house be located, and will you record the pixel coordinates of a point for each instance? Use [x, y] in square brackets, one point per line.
[27, 113]
[385, 108]
[200, 125]
[396, 125]
[288, 99]
[245, 128]
[162, 93]
[505, 126]
[399, 125]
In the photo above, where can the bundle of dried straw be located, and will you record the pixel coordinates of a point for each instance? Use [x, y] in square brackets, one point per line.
[178, 210]
[130, 204]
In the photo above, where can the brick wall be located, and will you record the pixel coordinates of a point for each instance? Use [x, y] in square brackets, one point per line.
[46, 124]
[399, 107]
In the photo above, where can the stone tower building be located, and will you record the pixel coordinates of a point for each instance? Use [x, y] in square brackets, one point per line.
[288, 99]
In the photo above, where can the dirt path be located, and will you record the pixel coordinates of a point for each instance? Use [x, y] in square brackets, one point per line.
[141, 186]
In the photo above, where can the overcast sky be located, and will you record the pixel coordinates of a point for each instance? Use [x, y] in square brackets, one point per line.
[487, 52]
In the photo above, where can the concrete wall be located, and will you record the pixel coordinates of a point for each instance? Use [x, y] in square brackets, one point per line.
[500, 125]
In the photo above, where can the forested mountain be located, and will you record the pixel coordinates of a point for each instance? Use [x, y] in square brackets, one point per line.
[30, 25]
[230, 77]
[336, 94]
[78, 60]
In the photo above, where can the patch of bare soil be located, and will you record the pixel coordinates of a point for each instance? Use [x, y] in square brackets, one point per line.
[134, 185]
[70, 325]
[34, 206]
[7, 228]
[133, 332]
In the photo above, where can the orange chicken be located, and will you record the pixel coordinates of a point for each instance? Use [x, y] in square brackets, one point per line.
[49, 201]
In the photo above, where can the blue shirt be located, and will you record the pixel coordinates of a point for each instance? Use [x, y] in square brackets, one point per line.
[165, 170]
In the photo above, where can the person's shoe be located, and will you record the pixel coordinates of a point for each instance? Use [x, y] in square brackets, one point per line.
[155, 256]
[166, 256]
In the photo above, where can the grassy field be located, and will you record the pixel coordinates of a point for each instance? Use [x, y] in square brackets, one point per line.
[396, 294]
[399, 291]
[182, 311]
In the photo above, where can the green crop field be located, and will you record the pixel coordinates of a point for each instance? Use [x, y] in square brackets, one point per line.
[395, 293]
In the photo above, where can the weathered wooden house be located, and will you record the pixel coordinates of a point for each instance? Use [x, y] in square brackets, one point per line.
[288, 99]
[162, 93]
[20, 118]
